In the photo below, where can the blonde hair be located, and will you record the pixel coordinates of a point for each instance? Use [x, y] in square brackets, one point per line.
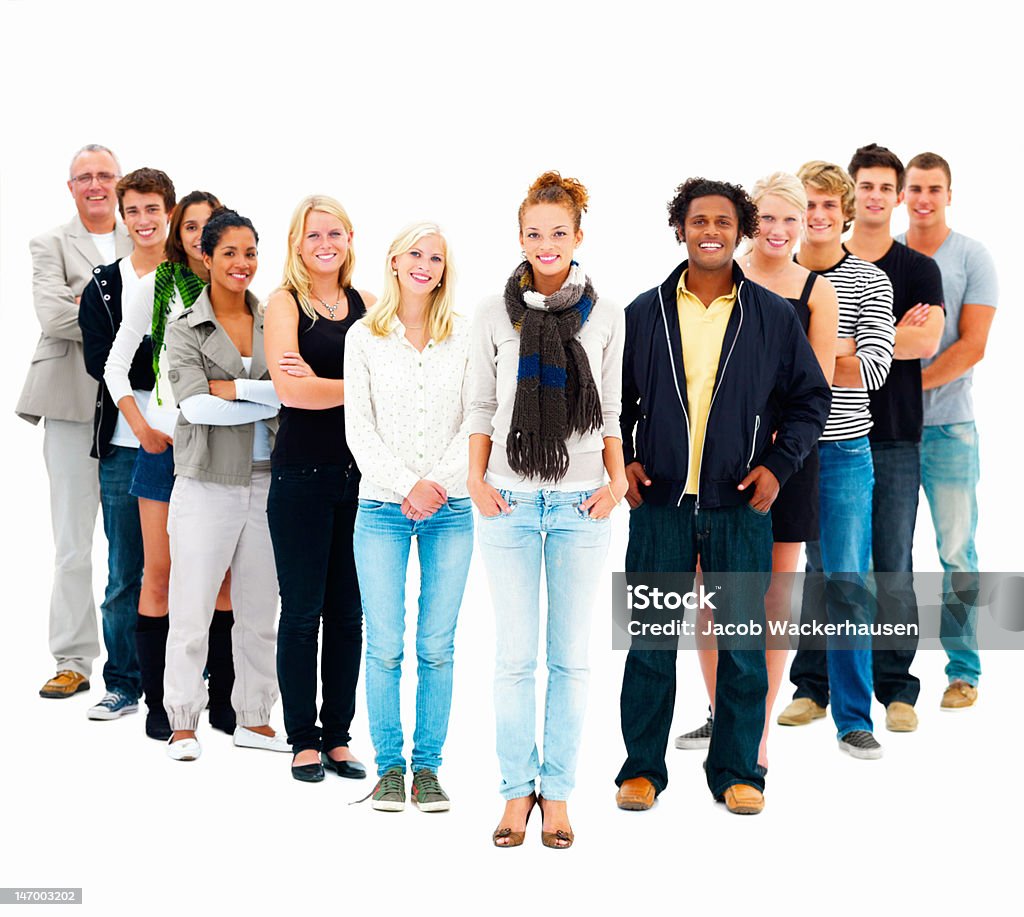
[296, 278]
[783, 185]
[829, 178]
[380, 317]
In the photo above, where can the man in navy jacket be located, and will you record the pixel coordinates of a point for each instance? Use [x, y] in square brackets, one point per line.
[722, 399]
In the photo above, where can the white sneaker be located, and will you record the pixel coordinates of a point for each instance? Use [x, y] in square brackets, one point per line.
[246, 738]
[184, 750]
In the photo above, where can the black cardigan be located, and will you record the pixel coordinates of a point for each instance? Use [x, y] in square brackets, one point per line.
[99, 317]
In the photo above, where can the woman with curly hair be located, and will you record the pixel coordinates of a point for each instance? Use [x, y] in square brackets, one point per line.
[178, 282]
[545, 472]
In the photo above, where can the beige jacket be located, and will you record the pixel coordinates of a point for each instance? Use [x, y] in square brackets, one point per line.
[198, 350]
[57, 385]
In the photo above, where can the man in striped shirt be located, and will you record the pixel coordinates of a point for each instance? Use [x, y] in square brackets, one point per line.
[863, 357]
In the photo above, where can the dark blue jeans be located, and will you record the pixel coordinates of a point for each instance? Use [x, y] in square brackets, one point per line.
[894, 515]
[897, 470]
[665, 539]
[124, 572]
[312, 512]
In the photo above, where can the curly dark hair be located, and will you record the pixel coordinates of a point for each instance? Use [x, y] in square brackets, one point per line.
[221, 221]
[693, 188]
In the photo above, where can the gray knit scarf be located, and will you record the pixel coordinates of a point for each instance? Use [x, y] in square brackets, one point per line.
[555, 391]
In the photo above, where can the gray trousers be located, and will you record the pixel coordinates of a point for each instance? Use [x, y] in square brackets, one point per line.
[74, 501]
[213, 527]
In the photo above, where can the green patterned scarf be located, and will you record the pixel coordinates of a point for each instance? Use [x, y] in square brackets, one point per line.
[169, 274]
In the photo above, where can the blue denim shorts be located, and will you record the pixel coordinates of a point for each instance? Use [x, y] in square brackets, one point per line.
[153, 475]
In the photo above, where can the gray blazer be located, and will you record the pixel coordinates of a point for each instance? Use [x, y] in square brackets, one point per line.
[57, 384]
[198, 350]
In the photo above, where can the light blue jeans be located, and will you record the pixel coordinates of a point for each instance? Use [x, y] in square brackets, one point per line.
[381, 543]
[846, 486]
[544, 524]
[949, 473]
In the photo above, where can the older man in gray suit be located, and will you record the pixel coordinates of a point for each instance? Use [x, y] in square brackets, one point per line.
[59, 390]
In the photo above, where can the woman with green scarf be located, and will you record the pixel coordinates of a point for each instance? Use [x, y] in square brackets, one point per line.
[545, 472]
[179, 281]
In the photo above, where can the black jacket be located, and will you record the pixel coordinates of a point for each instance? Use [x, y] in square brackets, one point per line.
[768, 380]
[99, 317]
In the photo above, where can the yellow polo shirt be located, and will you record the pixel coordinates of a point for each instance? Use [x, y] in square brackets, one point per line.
[702, 331]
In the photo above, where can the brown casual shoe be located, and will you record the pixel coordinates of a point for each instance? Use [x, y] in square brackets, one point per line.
[900, 717]
[636, 794]
[959, 695]
[800, 712]
[742, 799]
[64, 684]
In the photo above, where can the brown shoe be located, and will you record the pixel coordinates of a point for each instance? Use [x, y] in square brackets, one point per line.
[959, 695]
[561, 839]
[64, 684]
[900, 717]
[507, 836]
[801, 712]
[636, 794]
[742, 799]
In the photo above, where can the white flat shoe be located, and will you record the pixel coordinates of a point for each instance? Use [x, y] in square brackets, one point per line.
[246, 738]
[184, 750]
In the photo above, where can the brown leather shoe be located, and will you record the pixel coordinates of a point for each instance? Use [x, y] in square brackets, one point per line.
[900, 717]
[741, 799]
[959, 695]
[636, 794]
[64, 684]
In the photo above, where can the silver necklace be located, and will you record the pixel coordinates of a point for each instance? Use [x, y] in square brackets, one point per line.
[330, 309]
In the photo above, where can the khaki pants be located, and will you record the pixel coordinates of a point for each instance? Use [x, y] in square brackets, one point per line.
[213, 527]
[74, 500]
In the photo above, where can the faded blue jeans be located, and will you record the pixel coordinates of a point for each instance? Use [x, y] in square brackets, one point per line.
[120, 606]
[844, 555]
[548, 525]
[381, 543]
[949, 472]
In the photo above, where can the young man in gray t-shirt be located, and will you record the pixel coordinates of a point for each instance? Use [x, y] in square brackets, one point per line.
[949, 445]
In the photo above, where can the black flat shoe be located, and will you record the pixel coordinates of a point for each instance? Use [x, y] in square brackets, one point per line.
[351, 769]
[307, 773]
[157, 725]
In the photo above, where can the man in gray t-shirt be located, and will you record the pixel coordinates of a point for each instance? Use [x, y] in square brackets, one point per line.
[949, 445]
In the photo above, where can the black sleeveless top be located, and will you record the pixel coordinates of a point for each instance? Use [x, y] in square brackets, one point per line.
[318, 437]
[803, 311]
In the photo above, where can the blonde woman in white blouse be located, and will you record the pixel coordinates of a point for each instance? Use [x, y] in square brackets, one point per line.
[405, 366]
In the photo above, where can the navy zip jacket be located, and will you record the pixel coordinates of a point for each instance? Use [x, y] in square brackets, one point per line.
[768, 380]
[99, 317]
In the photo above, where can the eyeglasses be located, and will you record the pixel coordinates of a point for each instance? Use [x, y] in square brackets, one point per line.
[104, 178]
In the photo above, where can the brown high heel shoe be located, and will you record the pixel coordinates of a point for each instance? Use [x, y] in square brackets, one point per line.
[514, 838]
[557, 840]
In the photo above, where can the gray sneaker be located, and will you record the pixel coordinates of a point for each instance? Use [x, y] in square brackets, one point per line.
[427, 794]
[389, 793]
[860, 744]
[699, 738]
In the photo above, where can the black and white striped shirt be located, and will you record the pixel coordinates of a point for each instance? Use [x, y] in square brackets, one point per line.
[865, 314]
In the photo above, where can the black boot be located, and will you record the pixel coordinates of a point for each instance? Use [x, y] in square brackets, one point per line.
[221, 666]
[151, 644]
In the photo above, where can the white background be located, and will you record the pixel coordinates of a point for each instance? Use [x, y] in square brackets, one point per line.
[448, 112]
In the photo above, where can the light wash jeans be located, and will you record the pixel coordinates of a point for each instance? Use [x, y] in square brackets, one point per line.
[844, 555]
[381, 544]
[949, 472]
[544, 524]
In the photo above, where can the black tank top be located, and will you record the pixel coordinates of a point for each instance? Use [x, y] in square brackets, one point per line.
[318, 437]
[803, 311]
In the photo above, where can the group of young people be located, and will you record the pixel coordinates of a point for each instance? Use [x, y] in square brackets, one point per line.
[759, 398]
